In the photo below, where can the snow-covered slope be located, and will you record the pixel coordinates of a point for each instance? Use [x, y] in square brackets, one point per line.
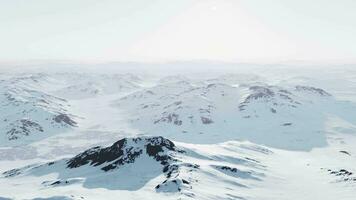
[28, 114]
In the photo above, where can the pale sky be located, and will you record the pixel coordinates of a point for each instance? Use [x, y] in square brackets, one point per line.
[171, 30]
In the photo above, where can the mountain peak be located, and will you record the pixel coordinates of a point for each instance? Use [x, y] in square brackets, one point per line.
[125, 151]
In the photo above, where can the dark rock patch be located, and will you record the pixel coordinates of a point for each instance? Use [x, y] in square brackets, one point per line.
[341, 172]
[173, 185]
[231, 171]
[170, 118]
[206, 120]
[287, 124]
[260, 92]
[343, 175]
[345, 152]
[314, 90]
[11, 173]
[23, 127]
[63, 118]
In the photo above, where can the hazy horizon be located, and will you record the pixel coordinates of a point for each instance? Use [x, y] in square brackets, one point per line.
[168, 31]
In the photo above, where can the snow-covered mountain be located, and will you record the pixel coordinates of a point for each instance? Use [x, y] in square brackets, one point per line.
[80, 86]
[153, 163]
[155, 167]
[236, 136]
[218, 112]
[77, 85]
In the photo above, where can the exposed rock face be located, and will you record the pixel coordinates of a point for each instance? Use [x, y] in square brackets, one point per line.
[125, 151]
[231, 171]
[287, 124]
[260, 92]
[11, 173]
[63, 118]
[170, 118]
[174, 182]
[23, 127]
[174, 185]
[273, 97]
[341, 172]
[343, 175]
[16, 172]
[206, 120]
[314, 90]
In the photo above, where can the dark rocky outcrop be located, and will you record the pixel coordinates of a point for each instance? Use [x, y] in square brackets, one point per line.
[170, 118]
[174, 182]
[232, 171]
[341, 172]
[23, 127]
[125, 151]
[343, 175]
[314, 90]
[63, 118]
[173, 185]
[260, 92]
[206, 120]
[345, 152]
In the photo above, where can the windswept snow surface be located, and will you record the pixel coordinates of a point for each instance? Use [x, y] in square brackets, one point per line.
[261, 136]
